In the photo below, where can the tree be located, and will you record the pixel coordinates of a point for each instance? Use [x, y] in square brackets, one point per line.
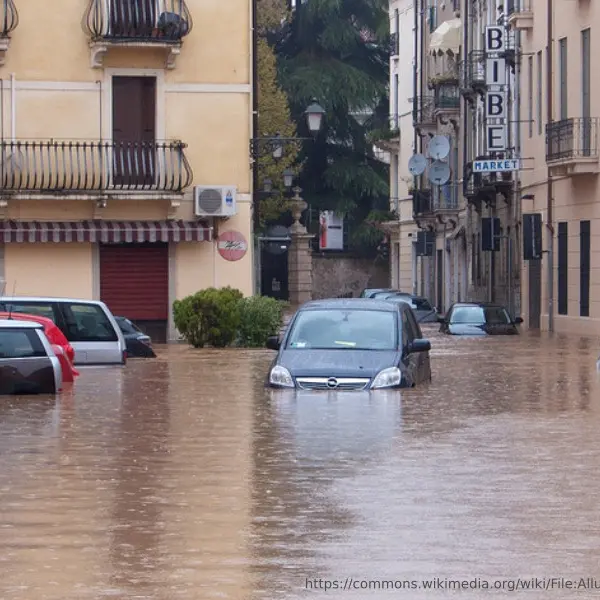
[337, 52]
[274, 116]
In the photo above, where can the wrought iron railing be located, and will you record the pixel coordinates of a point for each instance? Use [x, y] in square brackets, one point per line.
[572, 138]
[9, 17]
[140, 20]
[423, 110]
[472, 71]
[447, 96]
[422, 204]
[518, 6]
[445, 198]
[84, 166]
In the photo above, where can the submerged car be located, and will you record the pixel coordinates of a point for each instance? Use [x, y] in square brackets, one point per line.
[350, 344]
[138, 343]
[28, 364]
[422, 308]
[63, 350]
[479, 318]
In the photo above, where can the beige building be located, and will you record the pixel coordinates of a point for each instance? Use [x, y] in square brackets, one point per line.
[563, 146]
[124, 151]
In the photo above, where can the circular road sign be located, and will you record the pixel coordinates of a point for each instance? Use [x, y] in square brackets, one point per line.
[232, 245]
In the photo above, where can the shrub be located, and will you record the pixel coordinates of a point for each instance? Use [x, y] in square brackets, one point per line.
[211, 316]
[261, 317]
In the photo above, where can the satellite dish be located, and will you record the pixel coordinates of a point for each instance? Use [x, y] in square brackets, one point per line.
[439, 172]
[439, 147]
[417, 164]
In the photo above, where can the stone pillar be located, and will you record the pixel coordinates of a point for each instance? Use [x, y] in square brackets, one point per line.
[299, 255]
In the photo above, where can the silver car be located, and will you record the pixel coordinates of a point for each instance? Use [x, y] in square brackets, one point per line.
[89, 326]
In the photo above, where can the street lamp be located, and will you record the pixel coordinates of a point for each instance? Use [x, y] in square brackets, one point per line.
[277, 147]
[314, 116]
[288, 178]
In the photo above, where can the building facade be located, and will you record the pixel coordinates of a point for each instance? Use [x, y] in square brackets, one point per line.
[400, 145]
[559, 130]
[122, 137]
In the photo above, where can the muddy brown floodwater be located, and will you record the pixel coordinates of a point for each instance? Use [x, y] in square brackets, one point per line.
[183, 478]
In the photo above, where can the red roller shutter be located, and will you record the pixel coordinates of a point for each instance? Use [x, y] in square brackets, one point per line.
[134, 280]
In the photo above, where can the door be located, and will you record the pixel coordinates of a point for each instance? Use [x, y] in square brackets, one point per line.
[134, 283]
[134, 131]
[535, 293]
[132, 18]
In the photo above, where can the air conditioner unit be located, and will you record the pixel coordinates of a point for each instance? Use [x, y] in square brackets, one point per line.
[215, 201]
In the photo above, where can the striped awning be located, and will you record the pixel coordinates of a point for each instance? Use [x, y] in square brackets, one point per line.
[109, 232]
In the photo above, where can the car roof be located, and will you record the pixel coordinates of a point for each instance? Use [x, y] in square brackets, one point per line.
[48, 299]
[351, 303]
[14, 323]
[479, 304]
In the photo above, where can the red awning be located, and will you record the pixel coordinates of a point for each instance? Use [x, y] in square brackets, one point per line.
[104, 231]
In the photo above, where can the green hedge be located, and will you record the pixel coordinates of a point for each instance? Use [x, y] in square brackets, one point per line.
[222, 317]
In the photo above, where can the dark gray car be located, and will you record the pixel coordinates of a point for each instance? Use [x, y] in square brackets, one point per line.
[422, 308]
[350, 344]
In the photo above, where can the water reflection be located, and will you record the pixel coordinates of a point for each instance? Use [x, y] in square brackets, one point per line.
[183, 477]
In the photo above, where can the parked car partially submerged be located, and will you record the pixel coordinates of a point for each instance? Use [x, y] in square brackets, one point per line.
[28, 365]
[350, 344]
[63, 350]
[138, 343]
[478, 318]
[422, 308]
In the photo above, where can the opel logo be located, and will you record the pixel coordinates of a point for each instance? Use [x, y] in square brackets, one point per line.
[332, 382]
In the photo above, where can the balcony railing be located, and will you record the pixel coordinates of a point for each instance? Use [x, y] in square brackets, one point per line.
[447, 96]
[472, 72]
[572, 139]
[88, 166]
[445, 198]
[166, 21]
[9, 17]
[518, 6]
[423, 111]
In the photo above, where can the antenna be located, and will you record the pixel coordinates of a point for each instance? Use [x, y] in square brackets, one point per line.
[10, 308]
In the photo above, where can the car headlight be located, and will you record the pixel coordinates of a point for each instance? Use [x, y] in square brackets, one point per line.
[280, 376]
[390, 377]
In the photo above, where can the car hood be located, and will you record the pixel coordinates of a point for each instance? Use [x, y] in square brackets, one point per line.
[337, 363]
[465, 329]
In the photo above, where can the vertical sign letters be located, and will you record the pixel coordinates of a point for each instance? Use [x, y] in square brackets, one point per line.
[496, 100]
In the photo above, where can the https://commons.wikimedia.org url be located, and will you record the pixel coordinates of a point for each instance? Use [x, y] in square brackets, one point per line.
[523, 584]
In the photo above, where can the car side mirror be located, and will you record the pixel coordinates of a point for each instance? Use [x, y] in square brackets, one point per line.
[273, 342]
[419, 345]
[518, 320]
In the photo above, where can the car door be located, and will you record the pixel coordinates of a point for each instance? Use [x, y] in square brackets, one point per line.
[410, 360]
[422, 360]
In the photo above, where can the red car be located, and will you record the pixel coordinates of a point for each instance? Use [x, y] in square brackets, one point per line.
[63, 350]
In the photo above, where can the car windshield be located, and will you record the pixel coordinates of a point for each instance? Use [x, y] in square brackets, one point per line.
[415, 303]
[478, 315]
[344, 329]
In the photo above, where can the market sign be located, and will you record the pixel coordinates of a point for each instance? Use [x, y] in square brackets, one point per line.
[496, 166]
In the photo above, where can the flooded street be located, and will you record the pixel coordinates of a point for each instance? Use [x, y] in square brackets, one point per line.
[183, 478]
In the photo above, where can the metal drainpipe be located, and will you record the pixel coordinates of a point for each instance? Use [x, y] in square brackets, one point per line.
[549, 224]
[465, 123]
[255, 206]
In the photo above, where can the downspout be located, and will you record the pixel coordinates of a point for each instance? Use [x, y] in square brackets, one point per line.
[13, 108]
[254, 133]
[549, 224]
[465, 131]
[415, 70]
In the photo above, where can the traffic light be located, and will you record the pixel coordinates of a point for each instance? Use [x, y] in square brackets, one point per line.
[383, 250]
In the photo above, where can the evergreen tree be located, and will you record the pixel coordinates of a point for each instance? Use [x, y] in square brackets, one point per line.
[337, 52]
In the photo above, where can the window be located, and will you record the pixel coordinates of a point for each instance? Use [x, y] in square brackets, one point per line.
[20, 343]
[88, 323]
[562, 66]
[585, 74]
[563, 268]
[127, 326]
[337, 329]
[540, 95]
[478, 315]
[530, 90]
[414, 325]
[584, 269]
[396, 108]
[39, 310]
